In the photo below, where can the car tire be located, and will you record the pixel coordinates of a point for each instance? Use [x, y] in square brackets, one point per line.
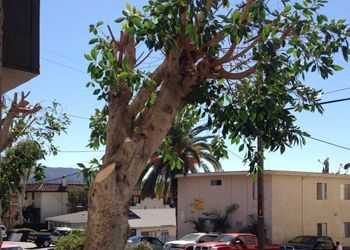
[46, 243]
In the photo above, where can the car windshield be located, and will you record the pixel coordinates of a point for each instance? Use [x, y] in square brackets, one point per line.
[225, 238]
[302, 239]
[191, 237]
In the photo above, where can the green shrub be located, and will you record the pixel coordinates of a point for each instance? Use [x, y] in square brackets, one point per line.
[73, 241]
[142, 245]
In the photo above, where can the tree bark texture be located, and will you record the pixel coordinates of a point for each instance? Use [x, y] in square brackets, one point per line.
[1, 35]
[127, 152]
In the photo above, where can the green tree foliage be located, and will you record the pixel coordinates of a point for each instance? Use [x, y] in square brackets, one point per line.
[143, 245]
[78, 199]
[185, 150]
[73, 241]
[89, 172]
[252, 225]
[220, 221]
[18, 163]
[294, 40]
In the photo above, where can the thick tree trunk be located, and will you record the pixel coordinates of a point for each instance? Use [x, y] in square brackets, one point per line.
[1, 35]
[108, 210]
[127, 151]
[0, 221]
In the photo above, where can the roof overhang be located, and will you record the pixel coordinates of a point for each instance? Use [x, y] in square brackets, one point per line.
[20, 42]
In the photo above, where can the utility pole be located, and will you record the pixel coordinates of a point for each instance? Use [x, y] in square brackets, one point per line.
[260, 212]
[261, 218]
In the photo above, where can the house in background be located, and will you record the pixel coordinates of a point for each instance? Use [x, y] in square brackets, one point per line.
[47, 199]
[158, 223]
[20, 53]
[137, 202]
[10, 217]
[296, 203]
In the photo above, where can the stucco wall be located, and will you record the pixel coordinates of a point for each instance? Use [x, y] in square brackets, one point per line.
[53, 204]
[234, 189]
[291, 205]
[158, 231]
[295, 206]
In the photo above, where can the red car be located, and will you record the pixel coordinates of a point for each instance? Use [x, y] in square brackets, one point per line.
[233, 241]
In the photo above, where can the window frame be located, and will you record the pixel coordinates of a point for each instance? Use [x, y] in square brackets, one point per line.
[321, 191]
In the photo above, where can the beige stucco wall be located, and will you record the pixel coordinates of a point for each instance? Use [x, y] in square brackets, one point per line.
[291, 206]
[53, 204]
[157, 230]
[295, 206]
[234, 189]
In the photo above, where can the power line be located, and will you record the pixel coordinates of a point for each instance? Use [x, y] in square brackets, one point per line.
[64, 56]
[81, 151]
[63, 65]
[336, 90]
[330, 143]
[335, 101]
[80, 117]
[235, 154]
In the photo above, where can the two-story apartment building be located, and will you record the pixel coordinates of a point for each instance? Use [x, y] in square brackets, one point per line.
[296, 203]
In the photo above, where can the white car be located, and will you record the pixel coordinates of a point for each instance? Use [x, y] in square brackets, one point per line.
[189, 240]
[3, 232]
[58, 232]
[10, 246]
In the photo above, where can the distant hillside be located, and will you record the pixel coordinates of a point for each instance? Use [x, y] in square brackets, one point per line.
[54, 175]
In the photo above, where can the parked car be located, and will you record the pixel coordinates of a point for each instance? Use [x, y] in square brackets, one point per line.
[234, 241]
[58, 232]
[3, 232]
[23, 232]
[40, 239]
[310, 242]
[189, 240]
[155, 243]
[10, 246]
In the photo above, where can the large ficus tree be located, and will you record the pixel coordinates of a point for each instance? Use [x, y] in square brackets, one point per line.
[241, 62]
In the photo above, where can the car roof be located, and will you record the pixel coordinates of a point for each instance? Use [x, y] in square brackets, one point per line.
[63, 228]
[9, 244]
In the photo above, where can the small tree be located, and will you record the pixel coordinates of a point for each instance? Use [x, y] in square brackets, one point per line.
[220, 221]
[73, 241]
[20, 162]
[78, 199]
[20, 120]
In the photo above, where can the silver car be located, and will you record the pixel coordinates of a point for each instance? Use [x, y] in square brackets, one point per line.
[154, 242]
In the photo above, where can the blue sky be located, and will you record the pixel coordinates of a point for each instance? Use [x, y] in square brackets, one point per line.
[64, 40]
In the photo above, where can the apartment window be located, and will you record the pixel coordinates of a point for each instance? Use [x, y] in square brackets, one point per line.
[346, 229]
[321, 191]
[322, 229]
[345, 191]
[216, 182]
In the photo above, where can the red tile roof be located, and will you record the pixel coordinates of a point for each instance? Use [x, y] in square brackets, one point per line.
[51, 187]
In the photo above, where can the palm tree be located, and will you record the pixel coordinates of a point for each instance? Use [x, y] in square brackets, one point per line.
[183, 151]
